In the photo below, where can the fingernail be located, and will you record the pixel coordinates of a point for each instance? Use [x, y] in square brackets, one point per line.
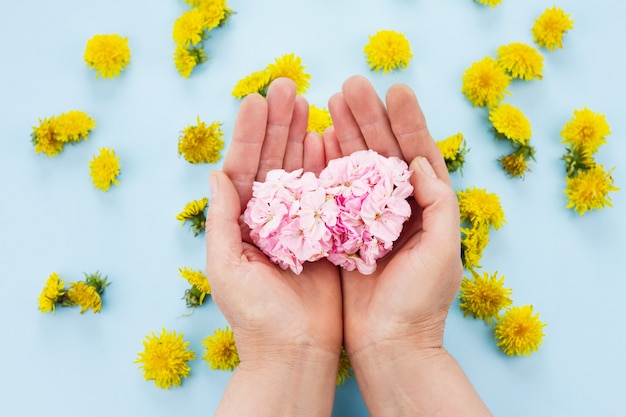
[213, 184]
[426, 167]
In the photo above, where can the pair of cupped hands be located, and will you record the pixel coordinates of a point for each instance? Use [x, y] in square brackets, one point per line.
[279, 316]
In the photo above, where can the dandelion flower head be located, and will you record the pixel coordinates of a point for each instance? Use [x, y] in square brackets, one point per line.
[194, 212]
[519, 331]
[485, 82]
[73, 126]
[474, 240]
[104, 169]
[215, 12]
[521, 60]
[515, 164]
[290, 66]
[319, 119]
[164, 359]
[201, 143]
[220, 350]
[589, 190]
[549, 28]
[189, 28]
[184, 60]
[510, 122]
[490, 3]
[345, 367]
[52, 291]
[388, 50]
[256, 82]
[45, 139]
[453, 151]
[84, 295]
[196, 278]
[586, 130]
[484, 296]
[107, 54]
[478, 206]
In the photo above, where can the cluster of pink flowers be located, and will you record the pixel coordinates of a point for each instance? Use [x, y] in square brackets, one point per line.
[351, 214]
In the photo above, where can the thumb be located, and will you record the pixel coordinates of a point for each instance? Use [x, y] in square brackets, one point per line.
[223, 233]
[439, 204]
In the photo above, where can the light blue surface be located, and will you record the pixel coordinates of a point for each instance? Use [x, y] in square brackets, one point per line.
[570, 268]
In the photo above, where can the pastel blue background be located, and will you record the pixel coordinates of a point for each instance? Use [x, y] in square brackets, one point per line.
[570, 268]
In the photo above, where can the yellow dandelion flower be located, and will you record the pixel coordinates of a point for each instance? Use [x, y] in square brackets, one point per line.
[474, 240]
[104, 169]
[290, 66]
[164, 359]
[549, 28]
[107, 54]
[200, 286]
[453, 150]
[509, 122]
[194, 213]
[521, 60]
[490, 3]
[515, 164]
[484, 296]
[589, 190]
[215, 12]
[220, 350]
[586, 130]
[478, 207]
[201, 143]
[319, 119]
[184, 60]
[73, 126]
[519, 332]
[84, 295]
[485, 82]
[44, 138]
[52, 292]
[190, 28]
[257, 82]
[388, 50]
[345, 367]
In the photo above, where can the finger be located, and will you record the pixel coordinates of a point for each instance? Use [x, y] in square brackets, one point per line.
[314, 156]
[241, 162]
[371, 116]
[281, 98]
[346, 130]
[410, 129]
[224, 246]
[295, 141]
[332, 149]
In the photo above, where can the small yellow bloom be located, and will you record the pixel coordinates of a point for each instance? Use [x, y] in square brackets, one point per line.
[84, 295]
[586, 130]
[164, 359]
[480, 207]
[201, 143]
[491, 3]
[484, 296]
[52, 292]
[474, 240]
[73, 126]
[215, 12]
[184, 60]
[485, 82]
[519, 332]
[549, 28]
[200, 286]
[107, 54]
[345, 368]
[290, 66]
[45, 139]
[104, 169]
[220, 350]
[388, 50]
[190, 28]
[510, 122]
[521, 60]
[589, 190]
[319, 119]
[257, 82]
[515, 164]
[453, 150]
[194, 213]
